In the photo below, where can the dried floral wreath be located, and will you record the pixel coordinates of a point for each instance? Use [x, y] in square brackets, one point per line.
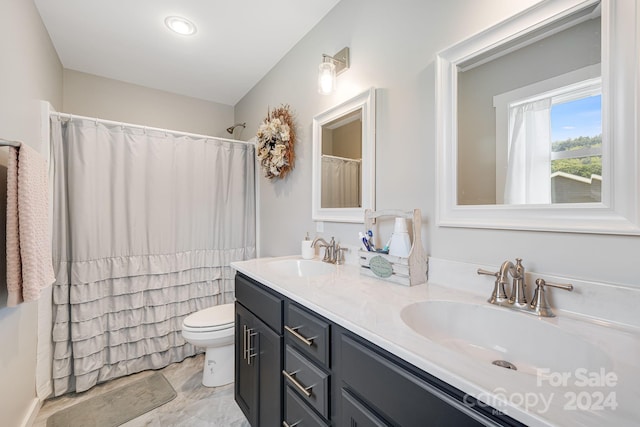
[276, 138]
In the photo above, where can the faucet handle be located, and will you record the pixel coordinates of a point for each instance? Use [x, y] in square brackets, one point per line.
[539, 303]
[488, 273]
[340, 254]
[499, 294]
[519, 269]
[327, 253]
[566, 287]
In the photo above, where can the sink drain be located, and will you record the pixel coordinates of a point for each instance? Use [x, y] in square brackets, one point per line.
[505, 364]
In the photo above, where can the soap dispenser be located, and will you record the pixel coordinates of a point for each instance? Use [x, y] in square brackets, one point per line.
[400, 244]
[307, 251]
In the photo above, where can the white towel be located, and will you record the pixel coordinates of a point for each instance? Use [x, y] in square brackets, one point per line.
[29, 263]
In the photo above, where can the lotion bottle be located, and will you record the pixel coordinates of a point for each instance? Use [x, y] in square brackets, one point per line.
[400, 244]
[307, 251]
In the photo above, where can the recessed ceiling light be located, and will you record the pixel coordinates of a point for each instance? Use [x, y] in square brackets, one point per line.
[180, 25]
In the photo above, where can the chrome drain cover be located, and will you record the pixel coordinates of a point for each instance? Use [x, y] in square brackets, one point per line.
[505, 364]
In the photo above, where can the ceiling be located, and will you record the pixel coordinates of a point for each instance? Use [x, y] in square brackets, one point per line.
[236, 44]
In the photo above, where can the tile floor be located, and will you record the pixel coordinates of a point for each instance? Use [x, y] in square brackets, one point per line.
[194, 405]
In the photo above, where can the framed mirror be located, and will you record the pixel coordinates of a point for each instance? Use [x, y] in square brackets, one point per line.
[343, 183]
[536, 122]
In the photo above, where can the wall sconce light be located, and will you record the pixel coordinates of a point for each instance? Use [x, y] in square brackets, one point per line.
[330, 68]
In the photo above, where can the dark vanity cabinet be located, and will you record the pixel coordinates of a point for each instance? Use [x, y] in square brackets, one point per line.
[258, 353]
[296, 368]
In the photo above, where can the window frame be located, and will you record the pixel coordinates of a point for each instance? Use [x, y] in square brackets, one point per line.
[563, 88]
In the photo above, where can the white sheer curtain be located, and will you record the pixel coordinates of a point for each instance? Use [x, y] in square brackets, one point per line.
[340, 182]
[529, 168]
[145, 226]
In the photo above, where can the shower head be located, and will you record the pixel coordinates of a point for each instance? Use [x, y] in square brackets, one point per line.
[232, 128]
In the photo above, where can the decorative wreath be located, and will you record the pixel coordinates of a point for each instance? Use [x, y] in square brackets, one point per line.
[276, 138]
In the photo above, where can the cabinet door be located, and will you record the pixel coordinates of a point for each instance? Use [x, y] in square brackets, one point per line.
[258, 367]
[268, 348]
[246, 374]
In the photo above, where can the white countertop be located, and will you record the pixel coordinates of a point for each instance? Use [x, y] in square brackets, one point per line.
[371, 308]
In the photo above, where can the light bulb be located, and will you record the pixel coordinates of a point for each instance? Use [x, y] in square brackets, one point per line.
[180, 25]
[326, 78]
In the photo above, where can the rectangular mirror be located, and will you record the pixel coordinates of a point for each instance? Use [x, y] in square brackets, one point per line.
[341, 162]
[535, 122]
[525, 106]
[343, 183]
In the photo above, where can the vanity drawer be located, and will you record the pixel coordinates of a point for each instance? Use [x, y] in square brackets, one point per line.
[309, 381]
[264, 304]
[297, 413]
[308, 333]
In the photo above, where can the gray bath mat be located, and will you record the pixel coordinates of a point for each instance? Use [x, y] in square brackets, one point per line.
[117, 406]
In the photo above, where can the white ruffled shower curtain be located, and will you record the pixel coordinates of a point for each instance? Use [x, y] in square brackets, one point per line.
[340, 182]
[145, 226]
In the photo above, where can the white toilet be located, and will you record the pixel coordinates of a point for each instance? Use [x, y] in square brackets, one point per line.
[213, 329]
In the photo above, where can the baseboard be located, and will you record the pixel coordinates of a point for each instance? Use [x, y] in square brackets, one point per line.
[34, 408]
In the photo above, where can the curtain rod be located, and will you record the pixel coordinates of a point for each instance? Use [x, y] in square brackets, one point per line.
[9, 143]
[173, 132]
[341, 158]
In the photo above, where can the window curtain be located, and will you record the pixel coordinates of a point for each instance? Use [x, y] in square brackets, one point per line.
[529, 166]
[145, 226]
[340, 182]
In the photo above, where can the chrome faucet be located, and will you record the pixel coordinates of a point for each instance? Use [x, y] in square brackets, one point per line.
[333, 253]
[518, 299]
[328, 247]
[499, 295]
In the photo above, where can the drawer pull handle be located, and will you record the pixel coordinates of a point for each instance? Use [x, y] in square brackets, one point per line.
[250, 350]
[290, 376]
[294, 332]
[247, 347]
[286, 424]
[244, 342]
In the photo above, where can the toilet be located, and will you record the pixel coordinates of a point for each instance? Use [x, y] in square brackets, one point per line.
[213, 329]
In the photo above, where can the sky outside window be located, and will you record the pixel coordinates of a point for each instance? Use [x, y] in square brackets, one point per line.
[582, 117]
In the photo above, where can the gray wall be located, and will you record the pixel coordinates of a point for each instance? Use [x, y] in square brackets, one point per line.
[393, 47]
[94, 96]
[29, 71]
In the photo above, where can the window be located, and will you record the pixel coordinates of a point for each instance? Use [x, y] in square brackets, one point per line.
[551, 147]
[576, 150]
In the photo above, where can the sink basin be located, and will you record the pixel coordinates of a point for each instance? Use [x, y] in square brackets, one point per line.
[487, 334]
[302, 267]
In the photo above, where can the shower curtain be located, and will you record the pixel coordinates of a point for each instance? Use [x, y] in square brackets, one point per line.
[340, 182]
[145, 226]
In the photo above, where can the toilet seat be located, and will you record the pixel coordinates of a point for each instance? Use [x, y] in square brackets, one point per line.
[210, 319]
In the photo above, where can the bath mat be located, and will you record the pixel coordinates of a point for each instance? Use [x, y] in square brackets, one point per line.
[117, 406]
